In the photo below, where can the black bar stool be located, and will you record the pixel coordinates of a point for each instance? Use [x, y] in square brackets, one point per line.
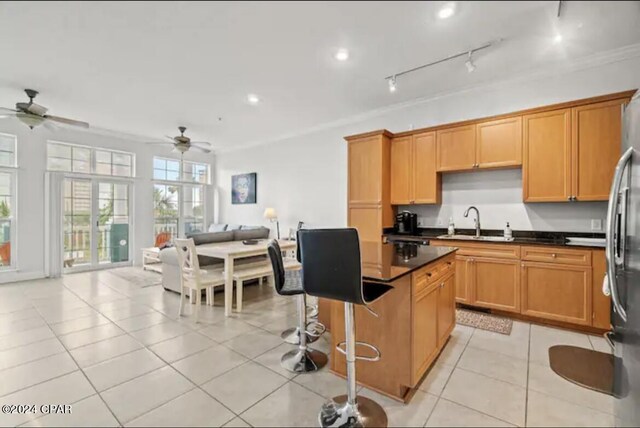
[289, 283]
[331, 268]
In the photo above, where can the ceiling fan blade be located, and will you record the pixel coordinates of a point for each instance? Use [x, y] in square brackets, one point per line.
[201, 149]
[201, 143]
[66, 121]
[162, 143]
[4, 110]
[51, 126]
[171, 138]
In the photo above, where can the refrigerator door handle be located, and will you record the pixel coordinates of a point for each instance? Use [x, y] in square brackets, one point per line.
[612, 214]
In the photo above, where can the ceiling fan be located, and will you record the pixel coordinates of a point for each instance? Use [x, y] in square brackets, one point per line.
[182, 144]
[32, 114]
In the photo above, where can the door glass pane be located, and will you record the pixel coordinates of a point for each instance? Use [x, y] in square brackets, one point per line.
[5, 219]
[113, 223]
[165, 202]
[193, 209]
[77, 222]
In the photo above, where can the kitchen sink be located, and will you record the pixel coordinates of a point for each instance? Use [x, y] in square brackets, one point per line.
[476, 238]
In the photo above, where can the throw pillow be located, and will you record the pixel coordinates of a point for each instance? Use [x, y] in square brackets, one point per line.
[233, 227]
[219, 227]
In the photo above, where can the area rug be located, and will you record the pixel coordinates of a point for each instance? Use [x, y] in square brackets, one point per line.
[138, 276]
[484, 321]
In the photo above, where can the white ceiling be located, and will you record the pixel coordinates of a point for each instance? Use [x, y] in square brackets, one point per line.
[146, 67]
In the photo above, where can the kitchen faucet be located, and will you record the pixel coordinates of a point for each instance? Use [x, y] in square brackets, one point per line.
[476, 220]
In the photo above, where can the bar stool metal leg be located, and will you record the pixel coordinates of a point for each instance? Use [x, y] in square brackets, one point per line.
[303, 360]
[292, 335]
[351, 410]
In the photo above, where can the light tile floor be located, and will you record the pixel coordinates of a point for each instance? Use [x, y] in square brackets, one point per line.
[120, 355]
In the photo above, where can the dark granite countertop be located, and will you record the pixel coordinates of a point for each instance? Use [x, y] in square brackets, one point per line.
[526, 237]
[393, 261]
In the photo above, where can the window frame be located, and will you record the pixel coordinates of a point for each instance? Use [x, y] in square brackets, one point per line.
[181, 169]
[92, 160]
[181, 186]
[15, 150]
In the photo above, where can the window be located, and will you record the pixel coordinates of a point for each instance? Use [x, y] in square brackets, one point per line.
[7, 200]
[185, 171]
[178, 198]
[8, 150]
[88, 160]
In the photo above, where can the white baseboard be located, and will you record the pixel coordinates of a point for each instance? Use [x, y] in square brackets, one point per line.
[16, 276]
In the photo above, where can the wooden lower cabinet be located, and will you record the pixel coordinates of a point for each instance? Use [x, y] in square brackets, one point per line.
[446, 309]
[557, 292]
[425, 333]
[463, 284]
[496, 284]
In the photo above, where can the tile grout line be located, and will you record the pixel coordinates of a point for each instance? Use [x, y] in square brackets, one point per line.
[526, 394]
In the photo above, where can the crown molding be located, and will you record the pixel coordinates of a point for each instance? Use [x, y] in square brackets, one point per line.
[591, 61]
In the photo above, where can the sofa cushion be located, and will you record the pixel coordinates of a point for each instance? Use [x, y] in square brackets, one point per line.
[217, 227]
[241, 235]
[245, 227]
[211, 237]
[233, 227]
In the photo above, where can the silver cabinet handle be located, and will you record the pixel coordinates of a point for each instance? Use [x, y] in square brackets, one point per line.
[612, 211]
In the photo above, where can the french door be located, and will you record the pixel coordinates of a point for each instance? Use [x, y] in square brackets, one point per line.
[96, 223]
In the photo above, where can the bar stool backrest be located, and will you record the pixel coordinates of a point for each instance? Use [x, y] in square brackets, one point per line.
[275, 255]
[331, 266]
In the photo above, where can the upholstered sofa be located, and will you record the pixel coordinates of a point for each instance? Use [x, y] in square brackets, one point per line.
[169, 256]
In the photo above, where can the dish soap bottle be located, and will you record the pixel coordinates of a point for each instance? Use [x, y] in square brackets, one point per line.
[451, 230]
[508, 233]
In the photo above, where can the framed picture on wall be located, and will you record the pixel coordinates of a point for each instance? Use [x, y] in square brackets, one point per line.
[244, 188]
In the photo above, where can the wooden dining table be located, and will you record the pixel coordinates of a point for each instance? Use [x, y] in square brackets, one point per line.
[234, 250]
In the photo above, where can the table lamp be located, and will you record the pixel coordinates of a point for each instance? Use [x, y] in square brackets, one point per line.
[270, 214]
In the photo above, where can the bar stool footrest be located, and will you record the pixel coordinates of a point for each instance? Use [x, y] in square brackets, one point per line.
[341, 347]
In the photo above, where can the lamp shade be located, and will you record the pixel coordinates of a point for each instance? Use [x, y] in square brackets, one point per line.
[270, 213]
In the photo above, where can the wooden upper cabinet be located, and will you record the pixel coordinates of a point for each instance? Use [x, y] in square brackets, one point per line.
[365, 171]
[401, 170]
[426, 180]
[414, 179]
[596, 147]
[546, 174]
[499, 143]
[456, 148]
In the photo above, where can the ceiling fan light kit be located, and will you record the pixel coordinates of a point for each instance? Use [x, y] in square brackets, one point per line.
[182, 143]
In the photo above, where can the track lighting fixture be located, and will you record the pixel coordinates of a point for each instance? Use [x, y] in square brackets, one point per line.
[392, 83]
[469, 64]
[392, 80]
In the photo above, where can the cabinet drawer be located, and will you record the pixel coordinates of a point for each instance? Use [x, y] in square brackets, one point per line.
[431, 274]
[557, 255]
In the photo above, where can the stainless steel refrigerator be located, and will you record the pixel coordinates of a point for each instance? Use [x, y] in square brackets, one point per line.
[622, 281]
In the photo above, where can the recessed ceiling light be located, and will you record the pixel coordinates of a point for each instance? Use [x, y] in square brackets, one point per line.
[447, 11]
[557, 39]
[342, 55]
[253, 99]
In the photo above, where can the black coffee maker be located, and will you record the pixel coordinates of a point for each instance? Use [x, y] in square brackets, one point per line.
[406, 223]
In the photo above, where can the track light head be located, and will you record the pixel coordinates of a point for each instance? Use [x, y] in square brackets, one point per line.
[392, 84]
[469, 64]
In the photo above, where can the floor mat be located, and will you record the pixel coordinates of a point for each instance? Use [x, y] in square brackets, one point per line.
[484, 321]
[585, 367]
[138, 276]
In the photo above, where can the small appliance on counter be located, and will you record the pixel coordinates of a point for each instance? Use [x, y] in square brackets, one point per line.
[406, 223]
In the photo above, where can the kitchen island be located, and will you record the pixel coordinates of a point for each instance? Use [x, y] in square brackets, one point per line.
[414, 320]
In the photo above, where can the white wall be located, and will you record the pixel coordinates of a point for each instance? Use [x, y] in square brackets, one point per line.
[31, 148]
[305, 177]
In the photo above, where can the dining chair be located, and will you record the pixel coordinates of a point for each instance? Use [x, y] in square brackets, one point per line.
[194, 278]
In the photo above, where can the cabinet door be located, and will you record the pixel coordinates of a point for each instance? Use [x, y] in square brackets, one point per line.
[456, 148]
[557, 292]
[401, 171]
[463, 280]
[368, 221]
[426, 180]
[499, 143]
[497, 284]
[596, 145]
[446, 309]
[546, 172]
[425, 320]
[365, 171]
